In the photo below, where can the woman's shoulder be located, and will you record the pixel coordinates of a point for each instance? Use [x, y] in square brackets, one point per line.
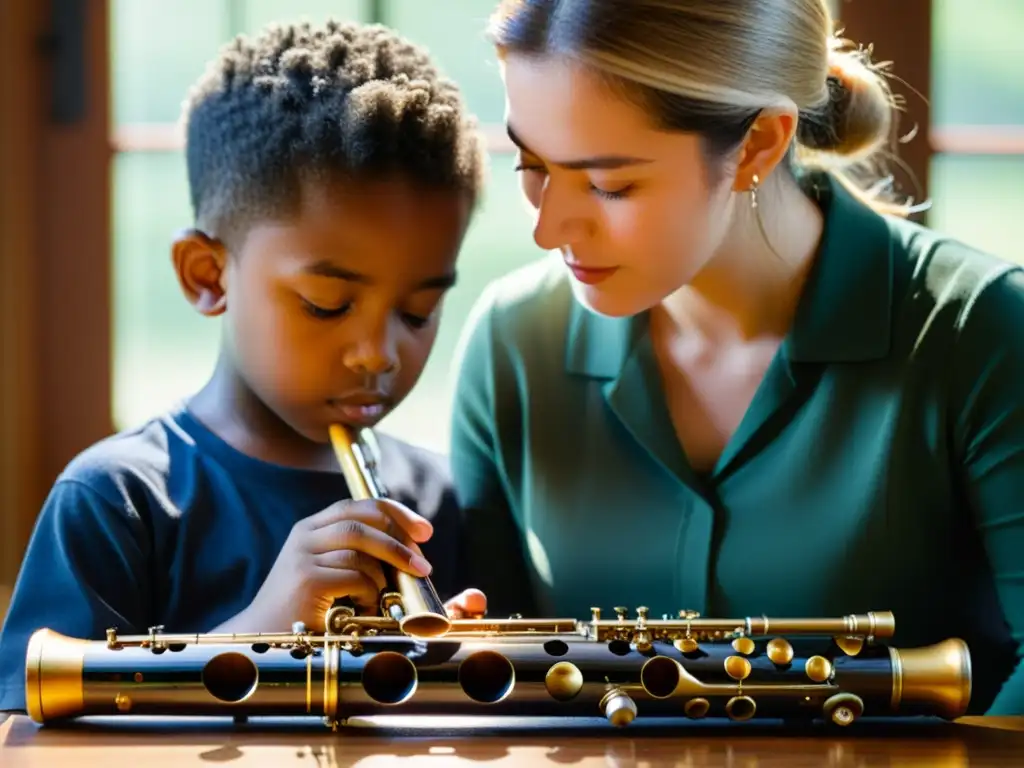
[952, 279]
[950, 297]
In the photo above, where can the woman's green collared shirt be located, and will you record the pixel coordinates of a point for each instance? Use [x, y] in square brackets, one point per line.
[880, 466]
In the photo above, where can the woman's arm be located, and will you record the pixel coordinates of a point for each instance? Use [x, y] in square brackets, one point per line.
[988, 393]
[486, 432]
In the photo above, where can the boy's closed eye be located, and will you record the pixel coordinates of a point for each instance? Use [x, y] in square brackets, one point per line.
[321, 312]
[415, 319]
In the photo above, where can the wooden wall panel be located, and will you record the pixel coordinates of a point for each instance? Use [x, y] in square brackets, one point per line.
[901, 33]
[20, 127]
[54, 252]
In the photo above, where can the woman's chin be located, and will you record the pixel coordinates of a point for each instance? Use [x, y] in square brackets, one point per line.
[611, 302]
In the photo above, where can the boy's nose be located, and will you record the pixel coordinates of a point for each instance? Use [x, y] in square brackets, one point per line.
[372, 358]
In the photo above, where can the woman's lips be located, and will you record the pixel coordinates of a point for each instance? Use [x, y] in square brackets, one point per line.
[591, 275]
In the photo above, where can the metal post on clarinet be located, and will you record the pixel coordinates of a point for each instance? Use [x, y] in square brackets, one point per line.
[410, 600]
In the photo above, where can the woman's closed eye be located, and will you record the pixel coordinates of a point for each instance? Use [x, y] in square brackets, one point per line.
[529, 167]
[619, 193]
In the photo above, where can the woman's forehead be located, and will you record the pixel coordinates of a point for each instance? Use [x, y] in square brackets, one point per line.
[559, 109]
[565, 114]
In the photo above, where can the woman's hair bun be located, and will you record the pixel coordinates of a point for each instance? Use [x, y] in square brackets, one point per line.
[858, 117]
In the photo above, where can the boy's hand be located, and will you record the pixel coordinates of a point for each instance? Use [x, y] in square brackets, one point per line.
[338, 553]
[467, 604]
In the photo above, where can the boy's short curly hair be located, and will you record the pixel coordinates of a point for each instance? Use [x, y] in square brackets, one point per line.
[299, 102]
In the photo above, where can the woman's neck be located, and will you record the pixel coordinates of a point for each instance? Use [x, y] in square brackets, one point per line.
[750, 288]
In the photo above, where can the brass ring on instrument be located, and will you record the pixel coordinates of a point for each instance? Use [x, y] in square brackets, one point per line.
[332, 662]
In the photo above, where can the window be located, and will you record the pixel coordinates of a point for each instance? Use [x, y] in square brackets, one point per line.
[977, 172]
[163, 349]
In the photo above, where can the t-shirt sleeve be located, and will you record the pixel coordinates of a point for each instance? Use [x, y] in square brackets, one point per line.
[84, 571]
[492, 555]
[988, 373]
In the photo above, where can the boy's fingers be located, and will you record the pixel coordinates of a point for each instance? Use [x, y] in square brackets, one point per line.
[354, 534]
[417, 528]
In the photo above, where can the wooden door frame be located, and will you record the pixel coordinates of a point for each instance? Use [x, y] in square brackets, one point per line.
[55, 237]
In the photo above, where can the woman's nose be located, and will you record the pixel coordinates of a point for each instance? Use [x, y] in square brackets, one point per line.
[559, 223]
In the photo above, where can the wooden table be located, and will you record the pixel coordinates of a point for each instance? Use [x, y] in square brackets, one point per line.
[153, 743]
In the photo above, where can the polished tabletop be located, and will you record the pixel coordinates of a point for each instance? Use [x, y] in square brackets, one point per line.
[154, 743]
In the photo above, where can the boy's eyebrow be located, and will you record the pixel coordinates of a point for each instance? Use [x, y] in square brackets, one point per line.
[601, 162]
[328, 269]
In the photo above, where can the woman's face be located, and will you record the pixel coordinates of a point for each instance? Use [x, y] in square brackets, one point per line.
[628, 206]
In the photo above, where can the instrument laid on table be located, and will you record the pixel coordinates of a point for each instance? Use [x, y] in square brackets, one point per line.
[838, 669]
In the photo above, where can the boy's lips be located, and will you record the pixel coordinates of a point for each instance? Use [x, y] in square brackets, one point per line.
[360, 409]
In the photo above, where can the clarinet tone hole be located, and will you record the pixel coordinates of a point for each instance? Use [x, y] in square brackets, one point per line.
[740, 708]
[230, 677]
[696, 708]
[487, 676]
[660, 676]
[556, 647]
[619, 647]
[389, 678]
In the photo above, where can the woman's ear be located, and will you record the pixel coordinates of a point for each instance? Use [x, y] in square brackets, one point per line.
[767, 142]
[200, 263]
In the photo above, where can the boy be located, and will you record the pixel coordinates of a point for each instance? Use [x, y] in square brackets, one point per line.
[333, 174]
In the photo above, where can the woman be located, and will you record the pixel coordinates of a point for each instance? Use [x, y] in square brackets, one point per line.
[743, 384]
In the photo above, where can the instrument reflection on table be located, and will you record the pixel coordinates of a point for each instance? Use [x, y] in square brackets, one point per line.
[658, 753]
[411, 659]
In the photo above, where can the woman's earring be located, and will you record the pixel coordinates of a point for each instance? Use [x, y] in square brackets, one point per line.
[754, 183]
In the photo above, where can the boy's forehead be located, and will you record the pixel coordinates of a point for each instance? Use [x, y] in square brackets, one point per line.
[350, 221]
[385, 197]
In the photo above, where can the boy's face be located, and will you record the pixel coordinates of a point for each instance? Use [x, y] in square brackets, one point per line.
[330, 316]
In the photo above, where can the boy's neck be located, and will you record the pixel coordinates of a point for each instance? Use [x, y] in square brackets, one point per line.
[233, 412]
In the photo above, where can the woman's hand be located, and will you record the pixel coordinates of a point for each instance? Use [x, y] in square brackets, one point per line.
[468, 604]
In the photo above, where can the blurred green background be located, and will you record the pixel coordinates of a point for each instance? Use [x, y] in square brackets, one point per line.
[163, 350]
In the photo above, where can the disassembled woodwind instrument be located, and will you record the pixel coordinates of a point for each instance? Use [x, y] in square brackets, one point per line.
[413, 659]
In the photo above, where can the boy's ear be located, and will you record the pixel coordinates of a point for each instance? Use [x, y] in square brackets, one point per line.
[200, 263]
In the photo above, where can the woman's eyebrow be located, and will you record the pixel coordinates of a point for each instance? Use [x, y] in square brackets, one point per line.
[599, 162]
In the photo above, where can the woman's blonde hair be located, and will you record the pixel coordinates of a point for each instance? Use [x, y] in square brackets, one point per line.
[712, 66]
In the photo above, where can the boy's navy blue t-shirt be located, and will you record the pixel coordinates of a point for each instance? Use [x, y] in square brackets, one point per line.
[169, 525]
